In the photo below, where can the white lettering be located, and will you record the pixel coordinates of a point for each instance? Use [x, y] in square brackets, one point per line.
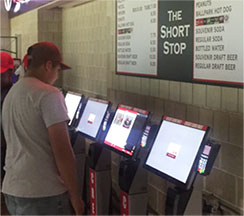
[174, 31]
[173, 48]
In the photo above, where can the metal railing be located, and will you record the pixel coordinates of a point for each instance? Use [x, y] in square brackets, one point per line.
[9, 44]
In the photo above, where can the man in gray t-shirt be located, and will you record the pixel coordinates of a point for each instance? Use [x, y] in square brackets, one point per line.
[40, 164]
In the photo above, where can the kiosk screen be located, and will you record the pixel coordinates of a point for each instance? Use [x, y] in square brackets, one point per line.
[126, 129]
[72, 101]
[92, 117]
[176, 150]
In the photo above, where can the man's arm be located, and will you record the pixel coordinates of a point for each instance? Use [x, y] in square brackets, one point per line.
[65, 160]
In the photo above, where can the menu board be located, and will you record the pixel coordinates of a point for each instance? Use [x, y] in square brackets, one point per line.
[199, 41]
[218, 42]
[137, 37]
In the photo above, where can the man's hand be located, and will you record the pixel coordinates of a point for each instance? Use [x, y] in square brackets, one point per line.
[78, 205]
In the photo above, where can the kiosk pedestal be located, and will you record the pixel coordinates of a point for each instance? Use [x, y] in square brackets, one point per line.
[133, 188]
[194, 206]
[185, 202]
[100, 179]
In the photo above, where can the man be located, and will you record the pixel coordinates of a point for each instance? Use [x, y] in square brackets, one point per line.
[7, 66]
[40, 164]
[20, 71]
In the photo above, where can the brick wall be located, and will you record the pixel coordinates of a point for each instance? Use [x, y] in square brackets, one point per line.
[38, 25]
[26, 28]
[50, 29]
[5, 26]
[89, 46]
[86, 46]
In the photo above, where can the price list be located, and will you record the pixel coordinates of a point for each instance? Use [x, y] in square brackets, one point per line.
[137, 43]
[218, 41]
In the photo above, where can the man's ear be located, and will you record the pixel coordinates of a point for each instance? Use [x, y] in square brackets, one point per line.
[49, 65]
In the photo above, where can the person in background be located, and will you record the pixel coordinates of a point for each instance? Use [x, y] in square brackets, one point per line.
[7, 66]
[41, 176]
[21, 70]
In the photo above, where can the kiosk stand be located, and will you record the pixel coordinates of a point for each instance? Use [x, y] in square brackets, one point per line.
[74, 103]
[188, 202]
[92, 124]
[124, 137]
[133, 188]
[133, 180]
[100, 179]
[180, 151]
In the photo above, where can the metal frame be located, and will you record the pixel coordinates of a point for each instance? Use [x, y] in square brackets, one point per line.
[16, 45]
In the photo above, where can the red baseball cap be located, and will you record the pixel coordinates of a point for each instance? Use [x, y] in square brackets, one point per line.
[7, 62]
[25, 60]
[43, 51]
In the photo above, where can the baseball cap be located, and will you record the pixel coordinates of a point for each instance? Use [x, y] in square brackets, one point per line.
[7, 62]
[25, 60]
[42, 52]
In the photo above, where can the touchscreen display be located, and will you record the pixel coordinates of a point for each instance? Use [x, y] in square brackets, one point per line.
[126, 129]
[175, 148]
[72, 101]
[92, 117]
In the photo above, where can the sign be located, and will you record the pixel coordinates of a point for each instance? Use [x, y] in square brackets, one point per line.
[137, 37]
[93, 203]
[199, 41]
[124, 203]
[17, 4]
[218, 42]
[17, 7]
[175, 26]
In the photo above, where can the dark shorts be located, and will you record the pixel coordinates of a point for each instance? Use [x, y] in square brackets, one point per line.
[54, 205]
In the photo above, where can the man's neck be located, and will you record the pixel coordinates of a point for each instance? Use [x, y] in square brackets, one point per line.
[36, 74]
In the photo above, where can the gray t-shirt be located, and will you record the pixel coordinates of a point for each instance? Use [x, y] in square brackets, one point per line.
[30, 107]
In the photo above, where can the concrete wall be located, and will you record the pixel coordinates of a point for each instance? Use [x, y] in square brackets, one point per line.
[89, 46]
[26, 28]
[5, 43]
[38, 25]
[5, 23]
[50, 29]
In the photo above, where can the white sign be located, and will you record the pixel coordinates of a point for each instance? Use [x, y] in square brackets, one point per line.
[137, 37]
[218, 41]
[8, 4]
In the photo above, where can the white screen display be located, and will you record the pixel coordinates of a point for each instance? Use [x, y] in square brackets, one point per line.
[72, 102]
[92, 117]
[174, 150]
[120, 129]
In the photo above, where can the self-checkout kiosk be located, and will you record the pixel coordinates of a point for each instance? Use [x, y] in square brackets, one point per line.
[125, 137]
[181, 149]
[75, 104]
[93, 125]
